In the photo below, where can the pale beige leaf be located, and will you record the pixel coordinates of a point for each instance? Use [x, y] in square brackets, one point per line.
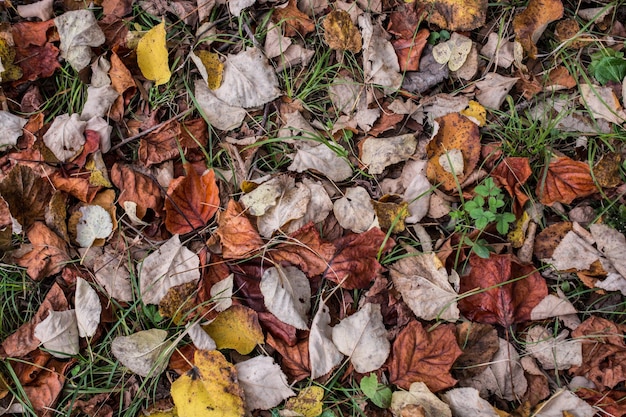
[200, 338]
[95, 223]
[222, 293]
[237, 6]
[291, 205]
[65, 137]
[218, 113]
[501, 51]
[266, 195]
[263, 382]
[323, 354]
[354, 211]
[379, 153]
[494, 89]
[602, 103]
[418, 395]
[612, 244]
[322, 159]
[466, 402]
[563, 401]
[380, 62]
[141, 352]
[552, 306]
[318, 209]
[345, 94]
[79, 31]
[170, 265]
[112, 273]
[99, 102]
[573, 252]
[88, 308]
[40, 9]
[10, 128]
[59, 333]
[287, 295]
[417, 190]
[363, 337]
[553, 352]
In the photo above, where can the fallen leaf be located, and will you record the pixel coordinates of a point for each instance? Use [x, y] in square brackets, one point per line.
[565, 180]
[170, 265]
[46, 387]
[410, 41]
[500, 301]
[49, 253]
[565, 403]
[317, 210]
[552, 306]
[380, 63]
[476, 113]
[236, 328]
[262, 198]
[602, 103]
[340, 33]
[553, 352]
[222, 293]
[355, 264]
[287, 294]
[27, 195]
[141, 352]
[11, 128]
[322, 159]
[112, 273]
[59, 333]
[456, 132]
[499, 50]
[293, 21]
[363, 338]
[612, 244]
[88, 308]
[263, 383]
[453, 52]
[200, 338]
[466, 402]
[511, 174]
[178, 303]
[308, 403]
[65, 137]
[354, 211]
[210, 66]
[295, 358]
[291, 205]
[607, 170]
[423, 282]
[99, 101]
[406, 403]
[391, 212]
[79, 31]
[494, 89]
[237, 235]
[94, 223]
[306, 250]
[479, 343]
[378, 153]
[323, 354]
[193, 201]
[40, 9]
[218, 113]
[454, 15]
[211, 388]
[421, 356]
[530, 24]
[152, 55]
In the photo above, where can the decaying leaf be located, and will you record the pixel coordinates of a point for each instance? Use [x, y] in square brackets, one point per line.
[323, 354]
[494, 89]
[94, 223]
[466, 402]
[263, 383]
[293, 21]
[211, 388]
[10, 128]
[238, 236]
[218, 113]
[321, 158]
[79, 31]
[88, 308]
[236, 328]
[453, 52]
[565, 180]
[152, 55]
[170, 265]
[363, 338]
[141, 352]
[306, 250]
[291, 205]
[27, 194]
[48, 255]
[455, 15]
[210, 66]
[480, 343]
[406, 403]
[553, 352]
[112, 273]
[566, 403]
[340, 33]
[380, 63]
[603, 103]
[530, 24]
[59, 333]
[354, 211]
[287, 294]
[308, 403]
[65, 138]
[378, 153]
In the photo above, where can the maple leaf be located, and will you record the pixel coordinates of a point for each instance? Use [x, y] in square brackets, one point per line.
[193, 201]
[418, 355]
[355, 264]
[565, 180]
[500, 301]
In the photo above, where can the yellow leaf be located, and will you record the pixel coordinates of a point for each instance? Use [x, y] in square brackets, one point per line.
[308, 402]
[517, 236]
[214, 68]
[477, 112]
[10, 71]
[340, 33]
[209, 389]
[152, 55]
[391, 212]
[456, 15]
[236, 328]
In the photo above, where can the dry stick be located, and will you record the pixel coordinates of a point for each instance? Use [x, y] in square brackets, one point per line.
[151, 129]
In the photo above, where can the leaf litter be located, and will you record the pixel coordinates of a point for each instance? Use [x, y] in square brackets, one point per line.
[300, 197]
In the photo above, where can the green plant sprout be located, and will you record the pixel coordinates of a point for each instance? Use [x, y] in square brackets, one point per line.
[608, 65]
[379, 394]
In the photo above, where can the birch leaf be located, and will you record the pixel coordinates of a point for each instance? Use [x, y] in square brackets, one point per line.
[323, 354]
[378, 153]
[354, 211]
[222, 292]
[10, 128]
[99, 102]
[380, 62]
[59, 333]
[152, 55]
[291, 205]
[264, 383]
[200, 338]
[321, 158]
[78, 31]
[287, 295]
[219, 114]
[65, 137]
[140, 351]
[88, 308]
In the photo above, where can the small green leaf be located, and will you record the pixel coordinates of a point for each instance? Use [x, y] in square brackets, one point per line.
[481, 251]
[609, 68]
[379, 394]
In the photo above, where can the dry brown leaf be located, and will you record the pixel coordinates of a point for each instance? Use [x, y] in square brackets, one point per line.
[408, 45]
[306, 250]
[607, 170]
[511, 174]
[455, 15]
[530, 24]
[419, 355]
[294, 21]
[192, 202]
[49, 253]
[565, 180]
[479, 343]
[27, 195]
[44, 390]
[295, 359]
[340, 33]
[137, 188]
[238, 237]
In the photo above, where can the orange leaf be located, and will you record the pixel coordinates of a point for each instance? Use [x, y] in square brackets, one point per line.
[306, 250]
[193, 200]
[237, 235]
[295, 22]
[530, 24]
[136, 188]
[498, 301]
[421, 356]
[455, 15]
[565, 181]
[45, 389]
[49, 252]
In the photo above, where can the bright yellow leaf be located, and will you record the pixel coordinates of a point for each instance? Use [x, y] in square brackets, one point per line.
[308, 402]
[209, 389]
[152, 55]
[476, 111]
[236, 328]
[214, 68]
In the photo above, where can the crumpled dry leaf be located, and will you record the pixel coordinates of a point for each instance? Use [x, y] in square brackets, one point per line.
[306, 250]
[194, 199]
[40, 9]
[294, 22]
[295, 359]
[565, 403]
[423, 282]
[291, 205]
[237, 235]
[553, 352]
[340, 33]
[11, 128]
[511, 174]
[453, 52]
[65, 138]
[211, 388]
[363, 338]
[94, 223]
[88, 308]
[480, 344]
[322, 159]
[99, 102]
[405, 403]
[236, 328]
[140, 351]
[112, 273]
[565, 181]
[422, 356]
[317, 210]
[530, 24]
[263, 382]
[27, 194]
[79, 31]
[323, 354]
[380, 63]
[354, 211]
[287, 295]
[152, 55]
[378, 153]
[602, 103]
[170, 265]
[499, 50]
[454, 15]
[552, 306]
[258, 201]
[494, 89]
[466, 402]
[219, 114]
[59, 333]
[49, 253]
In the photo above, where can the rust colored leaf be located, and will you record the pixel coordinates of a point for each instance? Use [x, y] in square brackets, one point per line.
[604, 352]
[388, 120]
[549, 239]
[32, 33]
[192, 201]
[409, 51]
[34, 53]
[294, 21]
[6, 228]
[612, 402]
[238, 236]
[511, 174]
[75, 185]
[295, 359]
[456, 133]
[23, 340]
[136, 188]
[306, 250]
[181, 360]
[49, 253]
[421, 356]
[355, 264]
[116, 9]
[92, 144]
[530, 24]
[480, 344]
[565, 180]
[45, 389]
[95, 406]
[504, 302]
[122, 81]
[163, 144]
[27, 195]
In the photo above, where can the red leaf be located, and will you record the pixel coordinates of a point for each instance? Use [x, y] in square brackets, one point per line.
[409, 51]
[565, 180]
[193, 201]
[501, 303]
[355, 264]
[511, 174]
[421, 356]
[306, 250]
